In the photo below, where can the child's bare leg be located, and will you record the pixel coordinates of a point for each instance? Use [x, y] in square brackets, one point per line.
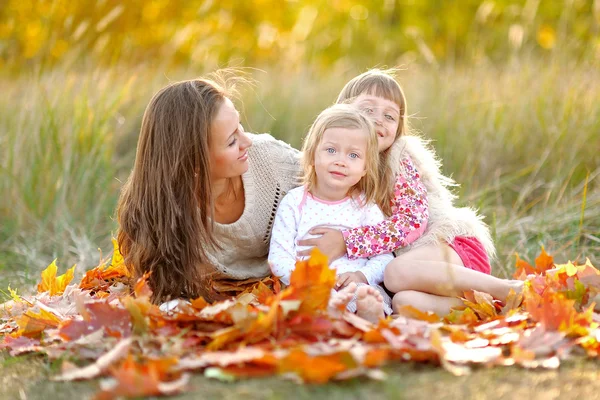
[439, 270]
[440, 305]
[369, 304]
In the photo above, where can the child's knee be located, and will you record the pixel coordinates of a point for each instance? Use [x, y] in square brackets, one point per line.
[404, 298]
[396, 276]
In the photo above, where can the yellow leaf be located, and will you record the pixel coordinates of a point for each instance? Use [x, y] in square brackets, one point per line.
[32, 324]
[51, 283]
[571, 269]
[117, 258]
[14, 295]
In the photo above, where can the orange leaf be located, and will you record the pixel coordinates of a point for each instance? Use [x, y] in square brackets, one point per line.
[544, 262]
[523, 268]
[318, 369]
[376, 357]
[53, 284]
[557, 313]
[460, 317]
[312, 281]
[412, 312]
[150, 378]
[32, 324]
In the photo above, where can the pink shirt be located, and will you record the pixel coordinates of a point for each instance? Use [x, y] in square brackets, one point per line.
[410, 212]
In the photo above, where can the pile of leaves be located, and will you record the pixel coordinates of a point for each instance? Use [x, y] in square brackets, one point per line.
[102, 328]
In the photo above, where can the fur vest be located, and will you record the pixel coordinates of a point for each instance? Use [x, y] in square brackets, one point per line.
[446, 221]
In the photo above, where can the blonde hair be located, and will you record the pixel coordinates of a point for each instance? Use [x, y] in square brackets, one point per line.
[165, 210]
[347, 117]
[381, 83]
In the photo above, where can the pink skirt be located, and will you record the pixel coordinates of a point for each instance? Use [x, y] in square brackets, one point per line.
[472, 253]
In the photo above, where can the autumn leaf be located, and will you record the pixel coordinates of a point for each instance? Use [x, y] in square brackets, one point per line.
[481, 303]
[317, 369]
[556, 312]
[20, 345]
[523, 268]
[119, 351]
[114, 320]
[151, 377]
[32, 324]
[51, 283]
[543, 262]
[312, 281]
[460, 317]
[412, 312]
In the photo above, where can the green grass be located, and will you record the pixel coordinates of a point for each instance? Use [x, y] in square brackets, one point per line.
[29, 377]
[521, 139]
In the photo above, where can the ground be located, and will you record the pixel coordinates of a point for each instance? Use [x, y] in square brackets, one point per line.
[28, 377]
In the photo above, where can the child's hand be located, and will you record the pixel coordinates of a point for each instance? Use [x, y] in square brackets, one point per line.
[331, 243]
[346, 278]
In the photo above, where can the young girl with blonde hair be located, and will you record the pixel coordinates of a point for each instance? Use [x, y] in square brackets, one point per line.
[341, 180]
[441, 250]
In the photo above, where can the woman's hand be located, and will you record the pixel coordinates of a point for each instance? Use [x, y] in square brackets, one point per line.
[346, 278]
[330, 243]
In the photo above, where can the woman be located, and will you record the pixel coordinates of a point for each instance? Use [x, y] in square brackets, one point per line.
[200, 202]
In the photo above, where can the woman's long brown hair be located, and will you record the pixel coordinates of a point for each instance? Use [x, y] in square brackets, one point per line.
[165, 210]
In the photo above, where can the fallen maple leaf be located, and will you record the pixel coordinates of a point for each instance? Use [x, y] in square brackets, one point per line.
[312, 281]
[412, 312]
[150, 377]
[32, 324]
[51, 283]
[317, 369]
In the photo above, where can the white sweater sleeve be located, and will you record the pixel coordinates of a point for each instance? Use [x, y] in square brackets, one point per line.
[282, 251]
[375, 266]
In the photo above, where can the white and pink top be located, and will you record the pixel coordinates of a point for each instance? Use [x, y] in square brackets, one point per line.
[300, 211]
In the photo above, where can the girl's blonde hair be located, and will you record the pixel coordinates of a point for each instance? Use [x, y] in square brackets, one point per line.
[381, 83]
[347, 117]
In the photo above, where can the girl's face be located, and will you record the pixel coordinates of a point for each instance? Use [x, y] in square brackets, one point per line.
[384, 113]
[229, 143]
[339, 162]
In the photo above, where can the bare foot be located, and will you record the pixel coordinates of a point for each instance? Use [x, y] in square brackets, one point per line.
[369, 304]
[339, 299]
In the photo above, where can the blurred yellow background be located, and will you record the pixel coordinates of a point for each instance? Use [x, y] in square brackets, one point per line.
[509, 92]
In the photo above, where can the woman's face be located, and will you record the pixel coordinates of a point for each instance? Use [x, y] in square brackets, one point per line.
[229, 143]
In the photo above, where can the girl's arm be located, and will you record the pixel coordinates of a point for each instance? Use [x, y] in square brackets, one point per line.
[407, 223]
[282, 250]
[375, 266]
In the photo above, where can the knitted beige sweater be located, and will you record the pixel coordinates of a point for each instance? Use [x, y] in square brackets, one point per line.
[274, 169]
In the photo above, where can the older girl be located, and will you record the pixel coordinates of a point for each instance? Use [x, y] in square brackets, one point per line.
[442, 250]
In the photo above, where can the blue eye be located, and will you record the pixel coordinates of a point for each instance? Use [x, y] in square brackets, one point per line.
[354, 155]
[391, 118]
[330, 150]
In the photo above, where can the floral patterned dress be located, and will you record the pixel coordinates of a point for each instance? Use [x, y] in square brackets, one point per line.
[410, 212]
